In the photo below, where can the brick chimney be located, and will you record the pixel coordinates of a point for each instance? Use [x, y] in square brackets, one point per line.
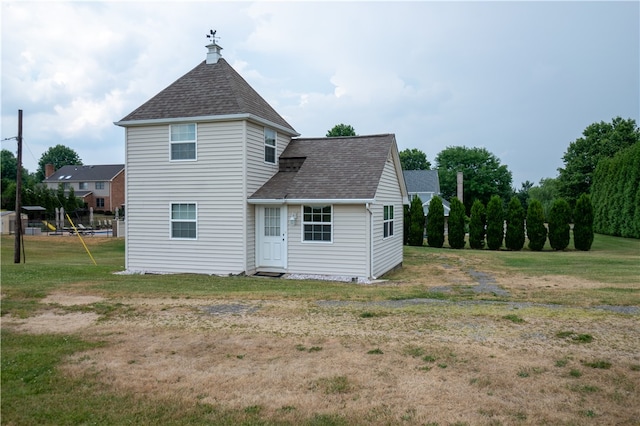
[49, 169]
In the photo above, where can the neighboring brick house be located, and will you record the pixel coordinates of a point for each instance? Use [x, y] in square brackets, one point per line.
[100, 186]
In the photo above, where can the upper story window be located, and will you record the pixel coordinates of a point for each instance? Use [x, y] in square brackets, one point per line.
[183, 220]
[99, 185]
[183, 141]
[388, 221]
[269, 146]
[83, 185]
[317, 223]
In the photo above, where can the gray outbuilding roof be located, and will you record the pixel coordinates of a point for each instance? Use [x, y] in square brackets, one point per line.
[208, 90]
[422, 181]
[342, 168]
[104, 172]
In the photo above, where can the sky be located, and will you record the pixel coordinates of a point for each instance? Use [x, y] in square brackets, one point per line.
[520, 79]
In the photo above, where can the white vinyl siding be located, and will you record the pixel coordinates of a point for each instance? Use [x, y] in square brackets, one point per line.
[214, 182]
[387, 252]
[257, 174]
[348, 255]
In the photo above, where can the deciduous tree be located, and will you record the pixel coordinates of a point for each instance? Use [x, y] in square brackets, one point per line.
[341, 130]
[483, 175]
[59, 156]
[414, 159]
[599, 140]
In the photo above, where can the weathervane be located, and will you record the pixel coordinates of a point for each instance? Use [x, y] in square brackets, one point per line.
[212, 36]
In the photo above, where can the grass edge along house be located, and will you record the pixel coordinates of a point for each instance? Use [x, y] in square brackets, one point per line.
[217, 182]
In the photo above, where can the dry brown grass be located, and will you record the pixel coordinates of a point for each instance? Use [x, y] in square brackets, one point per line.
[443, 363]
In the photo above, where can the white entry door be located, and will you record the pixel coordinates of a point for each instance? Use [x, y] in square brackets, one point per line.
[271, 238]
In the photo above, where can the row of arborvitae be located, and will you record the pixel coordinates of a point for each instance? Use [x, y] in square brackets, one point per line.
[489, 224]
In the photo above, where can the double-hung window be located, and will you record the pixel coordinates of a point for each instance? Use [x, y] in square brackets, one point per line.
[269, 146]
[183, 141]
[83, 185]
[99, 185]
[317, 223]
[183, 221]
[388, 221]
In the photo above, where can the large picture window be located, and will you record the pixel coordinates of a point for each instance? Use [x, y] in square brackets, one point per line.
[183, 141]
[388, 221]
[269, 146]
[317, 223]
[183, 220]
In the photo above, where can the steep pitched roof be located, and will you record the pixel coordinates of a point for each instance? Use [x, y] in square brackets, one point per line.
[86, 173]
[207, 90]
[329, 169]
[422, 181]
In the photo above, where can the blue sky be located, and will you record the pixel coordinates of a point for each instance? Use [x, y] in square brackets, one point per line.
[521, 79]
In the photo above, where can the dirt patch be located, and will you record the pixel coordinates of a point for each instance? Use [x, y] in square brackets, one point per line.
[64, 299]
[52, 322]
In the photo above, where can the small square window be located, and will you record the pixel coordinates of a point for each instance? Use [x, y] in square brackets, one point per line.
[83, 185]
[317, 224]
[99, 185]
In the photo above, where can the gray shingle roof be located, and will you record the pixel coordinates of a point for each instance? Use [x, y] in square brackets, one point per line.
[207, 90]
[422, 181]
[329, 168]
[86, 173]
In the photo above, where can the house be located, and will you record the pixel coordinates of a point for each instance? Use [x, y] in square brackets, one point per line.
[424, 184]
[8, 222]
[217, 182]
[99, 186]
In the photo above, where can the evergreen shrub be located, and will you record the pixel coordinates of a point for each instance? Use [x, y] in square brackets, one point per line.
[435, 223]
[456, 224]
[495, 223]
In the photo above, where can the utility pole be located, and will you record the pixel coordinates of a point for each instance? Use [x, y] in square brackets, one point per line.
[16, 254]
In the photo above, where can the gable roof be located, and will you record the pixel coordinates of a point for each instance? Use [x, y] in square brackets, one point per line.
[422, 181]
[207, 91]
[86, 173]
[342, 168]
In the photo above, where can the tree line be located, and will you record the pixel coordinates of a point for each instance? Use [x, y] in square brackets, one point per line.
[603, 163]
[34, 191]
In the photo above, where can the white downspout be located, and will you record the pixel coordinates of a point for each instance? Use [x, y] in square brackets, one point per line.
[370, 242]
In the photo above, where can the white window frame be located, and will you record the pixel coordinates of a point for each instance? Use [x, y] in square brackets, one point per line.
[99, 185]
[388, 219]
[183, 220]
[193, 141]
[316, 223]
[268, 146]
